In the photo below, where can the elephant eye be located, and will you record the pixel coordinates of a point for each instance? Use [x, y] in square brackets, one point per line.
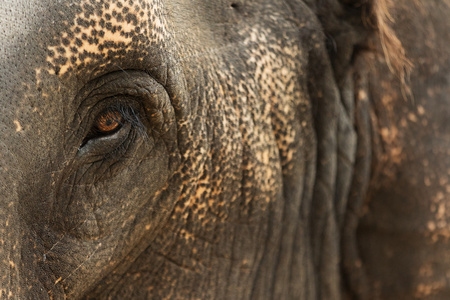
[111, 127]
[107, 122]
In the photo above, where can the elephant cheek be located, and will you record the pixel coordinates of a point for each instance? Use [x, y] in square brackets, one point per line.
[23, 274]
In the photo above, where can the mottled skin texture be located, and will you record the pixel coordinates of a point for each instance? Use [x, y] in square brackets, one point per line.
[268, 151]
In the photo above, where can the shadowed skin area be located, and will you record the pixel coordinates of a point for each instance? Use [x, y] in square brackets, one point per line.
[251, 134]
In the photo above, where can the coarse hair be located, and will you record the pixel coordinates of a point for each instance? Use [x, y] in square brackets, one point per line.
[378, 15]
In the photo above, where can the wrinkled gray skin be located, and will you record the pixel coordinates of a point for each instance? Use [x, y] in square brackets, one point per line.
[265, 151]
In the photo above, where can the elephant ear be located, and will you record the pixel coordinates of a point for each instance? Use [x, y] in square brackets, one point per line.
[355, 34]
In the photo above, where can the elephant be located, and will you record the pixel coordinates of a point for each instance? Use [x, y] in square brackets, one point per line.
[228, 149]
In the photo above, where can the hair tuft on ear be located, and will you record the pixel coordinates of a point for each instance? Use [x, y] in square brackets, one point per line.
[381, 19]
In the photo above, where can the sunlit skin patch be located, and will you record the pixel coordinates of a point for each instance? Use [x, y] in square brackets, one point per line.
[104, 30]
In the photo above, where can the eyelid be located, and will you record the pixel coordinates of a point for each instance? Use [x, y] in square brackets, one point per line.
[134, 95]
[99, 146]
[121, 115]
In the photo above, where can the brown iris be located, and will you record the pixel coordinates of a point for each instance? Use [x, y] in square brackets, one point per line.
[108, 121]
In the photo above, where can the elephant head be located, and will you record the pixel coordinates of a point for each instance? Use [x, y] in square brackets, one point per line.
[203, 149]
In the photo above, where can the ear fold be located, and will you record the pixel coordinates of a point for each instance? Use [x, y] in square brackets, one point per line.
[354, 30]
[339, 92]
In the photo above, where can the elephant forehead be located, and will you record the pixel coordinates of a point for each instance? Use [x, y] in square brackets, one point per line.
[102, 30]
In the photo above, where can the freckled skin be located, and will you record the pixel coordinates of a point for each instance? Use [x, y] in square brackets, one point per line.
[254, 138]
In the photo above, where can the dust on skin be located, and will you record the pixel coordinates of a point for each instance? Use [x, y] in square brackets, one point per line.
[271, 72]
[428, 289]
[438, 227]
[243, 117]
[391, 132]
[18, 126]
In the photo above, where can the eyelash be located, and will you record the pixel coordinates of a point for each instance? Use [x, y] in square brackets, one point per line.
[131, 116]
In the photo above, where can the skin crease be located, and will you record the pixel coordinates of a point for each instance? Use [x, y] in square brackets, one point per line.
[254, 138]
